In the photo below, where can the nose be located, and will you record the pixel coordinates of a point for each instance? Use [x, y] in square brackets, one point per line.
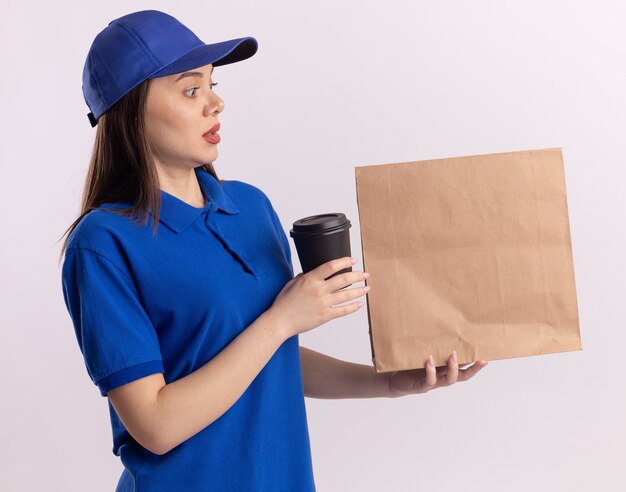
[214, 104]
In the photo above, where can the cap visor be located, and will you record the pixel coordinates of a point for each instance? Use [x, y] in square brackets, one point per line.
[221, 53]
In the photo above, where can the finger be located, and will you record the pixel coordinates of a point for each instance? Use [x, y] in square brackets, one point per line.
[345, 309]
[442, 378]
[453, 369]
[470, 372]
[344, 280]
[430, 380]
[325, 270]
[442, 382]
[344, 295]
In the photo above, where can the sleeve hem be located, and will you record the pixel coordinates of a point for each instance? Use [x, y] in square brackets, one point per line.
[129, 374]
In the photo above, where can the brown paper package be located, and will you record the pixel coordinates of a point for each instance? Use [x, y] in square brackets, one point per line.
[471, 254]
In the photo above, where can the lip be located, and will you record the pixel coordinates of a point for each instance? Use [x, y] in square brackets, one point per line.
[212, 138]
[214, 129]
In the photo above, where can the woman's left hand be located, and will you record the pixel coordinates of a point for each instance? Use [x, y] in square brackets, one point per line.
[422, 380]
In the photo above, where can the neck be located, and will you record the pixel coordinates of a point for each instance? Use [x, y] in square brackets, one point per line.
[181, 183]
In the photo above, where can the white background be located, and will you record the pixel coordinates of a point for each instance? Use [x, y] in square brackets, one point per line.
[338, 84]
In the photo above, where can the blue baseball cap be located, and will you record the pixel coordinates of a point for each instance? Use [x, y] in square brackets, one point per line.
[144, 45]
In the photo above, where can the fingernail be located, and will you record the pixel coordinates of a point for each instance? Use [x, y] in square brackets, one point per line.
[353, 260]
[366, 274]
[454, 356]
[431, 361]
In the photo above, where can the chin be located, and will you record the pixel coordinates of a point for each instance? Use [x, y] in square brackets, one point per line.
[208, 159]
[207, 155]
[211, 157]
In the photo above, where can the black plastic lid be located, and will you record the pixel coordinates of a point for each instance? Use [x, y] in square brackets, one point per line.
[320, 224]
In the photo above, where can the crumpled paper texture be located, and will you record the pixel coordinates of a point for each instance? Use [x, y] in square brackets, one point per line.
[468, 253]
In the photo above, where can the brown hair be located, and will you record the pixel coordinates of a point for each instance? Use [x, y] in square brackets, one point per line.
[120, 168]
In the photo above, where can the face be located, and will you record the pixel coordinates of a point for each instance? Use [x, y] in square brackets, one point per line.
[180, 108]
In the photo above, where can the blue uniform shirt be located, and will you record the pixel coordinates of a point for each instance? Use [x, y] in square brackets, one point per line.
[142, 304]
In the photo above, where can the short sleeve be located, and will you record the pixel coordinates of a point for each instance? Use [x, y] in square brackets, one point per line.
[115, 335]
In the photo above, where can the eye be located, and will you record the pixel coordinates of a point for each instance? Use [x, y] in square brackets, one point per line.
[212, 84]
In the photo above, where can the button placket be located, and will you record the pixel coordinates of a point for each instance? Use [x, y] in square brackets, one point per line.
[228, 245]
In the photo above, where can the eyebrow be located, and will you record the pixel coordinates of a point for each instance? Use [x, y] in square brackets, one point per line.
[191, 74]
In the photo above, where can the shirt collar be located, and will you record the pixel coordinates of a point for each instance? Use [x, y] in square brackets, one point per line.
[178, 215]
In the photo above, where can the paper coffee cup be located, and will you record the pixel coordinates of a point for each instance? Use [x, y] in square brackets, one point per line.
[321, 238]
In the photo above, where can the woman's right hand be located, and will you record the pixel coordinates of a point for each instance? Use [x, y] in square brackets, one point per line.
[307, 300]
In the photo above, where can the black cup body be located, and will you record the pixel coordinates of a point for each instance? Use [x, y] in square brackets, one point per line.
[321, 238]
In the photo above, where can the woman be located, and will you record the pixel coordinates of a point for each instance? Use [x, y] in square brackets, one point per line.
[181, 288]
